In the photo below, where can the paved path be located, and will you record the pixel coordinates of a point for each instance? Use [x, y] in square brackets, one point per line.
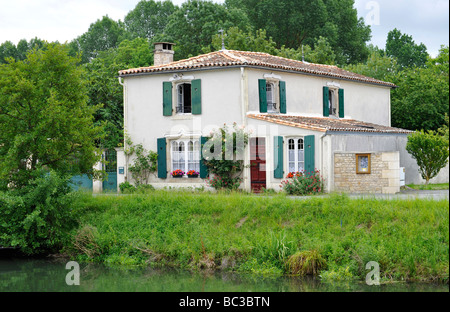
[406, 194]
[410, 194]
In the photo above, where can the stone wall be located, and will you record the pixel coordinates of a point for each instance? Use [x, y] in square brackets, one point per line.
[384, 177]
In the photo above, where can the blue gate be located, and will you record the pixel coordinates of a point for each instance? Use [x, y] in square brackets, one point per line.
[110, 167]
[81, 182]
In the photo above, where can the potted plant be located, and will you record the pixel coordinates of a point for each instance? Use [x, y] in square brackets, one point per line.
[193, 174]
[177, 173]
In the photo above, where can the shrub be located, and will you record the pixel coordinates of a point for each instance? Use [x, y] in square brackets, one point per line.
[127, 188]
[224, 157]
[303, 183]
[430, 150]
[38, 217]
[306, 263]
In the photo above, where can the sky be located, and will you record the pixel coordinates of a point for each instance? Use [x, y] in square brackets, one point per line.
[63, 20]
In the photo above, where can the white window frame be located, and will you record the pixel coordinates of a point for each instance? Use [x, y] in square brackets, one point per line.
[191, 159]
[180, 101]
[299, 145]
[333, 101]
[273, 106]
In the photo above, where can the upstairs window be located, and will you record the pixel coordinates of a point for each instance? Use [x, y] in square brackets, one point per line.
[184, 102]
[271, 102]
[332, 102]
[272, 96]
[186, 95]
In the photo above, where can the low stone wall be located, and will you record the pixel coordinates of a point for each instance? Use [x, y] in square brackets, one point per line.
[384, 177]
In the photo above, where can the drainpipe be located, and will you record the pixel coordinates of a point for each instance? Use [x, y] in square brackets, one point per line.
[125, 106]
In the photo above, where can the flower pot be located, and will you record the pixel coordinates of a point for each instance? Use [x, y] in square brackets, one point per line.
[193, 176]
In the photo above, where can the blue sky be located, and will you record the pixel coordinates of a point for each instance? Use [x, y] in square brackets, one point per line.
[63, 20]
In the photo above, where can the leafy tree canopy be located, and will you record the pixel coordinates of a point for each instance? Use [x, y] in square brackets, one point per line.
[193, 25]
[149, 18]
[293, 23]
[44, 116]
[407, 52]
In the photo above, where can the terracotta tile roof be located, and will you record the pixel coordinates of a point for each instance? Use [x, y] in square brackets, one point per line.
[227, 58]
[324, 124]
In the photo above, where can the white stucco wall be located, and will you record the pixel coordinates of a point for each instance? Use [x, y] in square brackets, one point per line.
[304, 96]
[227, 96]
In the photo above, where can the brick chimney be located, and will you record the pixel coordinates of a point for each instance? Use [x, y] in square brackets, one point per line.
[163, 53]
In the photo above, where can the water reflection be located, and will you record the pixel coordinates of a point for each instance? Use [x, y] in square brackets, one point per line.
[43, 275]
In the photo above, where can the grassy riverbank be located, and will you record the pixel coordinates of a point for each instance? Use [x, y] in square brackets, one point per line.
[268, 235]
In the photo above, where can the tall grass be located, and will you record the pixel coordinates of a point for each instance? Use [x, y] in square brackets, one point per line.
[408, 238]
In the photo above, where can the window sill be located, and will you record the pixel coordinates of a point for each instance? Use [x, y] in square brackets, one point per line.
[183, 117]
[185, 180]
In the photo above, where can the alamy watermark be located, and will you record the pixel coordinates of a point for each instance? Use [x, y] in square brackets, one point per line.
[73, 277]
[373, 16]
[373, 277]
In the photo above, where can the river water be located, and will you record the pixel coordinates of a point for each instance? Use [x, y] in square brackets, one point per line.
[40, 275]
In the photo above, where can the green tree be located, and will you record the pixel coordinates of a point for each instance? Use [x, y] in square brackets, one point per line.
[44, 117]
[293, 23]
[408, 53]
[149, 18]
[7, 50]
[102, 35]
[422, 99]
[193, 25]
[236, 39]
[378, 65]
[431, 152]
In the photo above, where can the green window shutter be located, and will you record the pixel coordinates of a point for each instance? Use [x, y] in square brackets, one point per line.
[167, 98]
[283, 109]
[203, 169]
[309, 154]
[262, 96]
[341, 103]
[196, 89]
[162, 159]
[278, 157]
[326, 104]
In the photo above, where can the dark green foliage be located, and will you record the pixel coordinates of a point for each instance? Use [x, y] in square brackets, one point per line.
[38, 217]
[193, 25]
[293, 23]
[44, 117]
[149, 18]
[405, 50]
[102, 35]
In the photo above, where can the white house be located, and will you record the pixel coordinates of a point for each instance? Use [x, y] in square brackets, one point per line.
[304, 116]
